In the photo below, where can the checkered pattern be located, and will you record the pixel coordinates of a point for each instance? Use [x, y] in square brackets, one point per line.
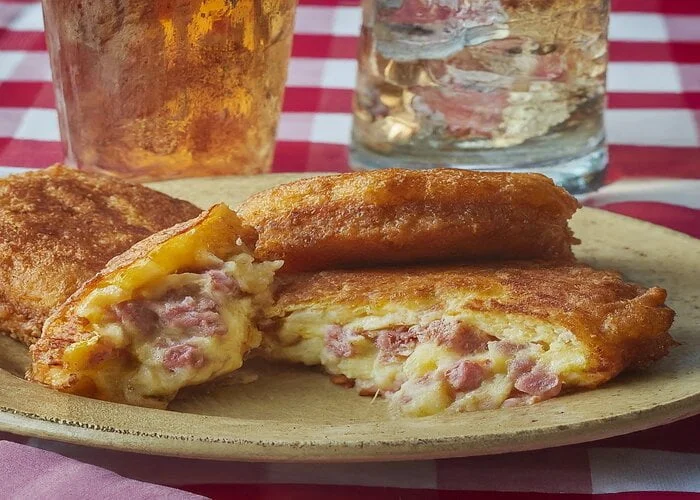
[654, 84]
[653, 124]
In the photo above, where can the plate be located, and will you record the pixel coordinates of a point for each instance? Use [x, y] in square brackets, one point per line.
[295, 414]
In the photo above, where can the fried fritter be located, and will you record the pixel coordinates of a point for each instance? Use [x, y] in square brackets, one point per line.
[58, 227]
[175, 310]
[402, 216]
[468, 337]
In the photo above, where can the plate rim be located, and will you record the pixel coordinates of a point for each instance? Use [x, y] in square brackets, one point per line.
[149, 443]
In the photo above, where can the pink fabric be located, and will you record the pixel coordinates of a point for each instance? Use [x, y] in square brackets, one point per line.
[31, 473]
[654, 174]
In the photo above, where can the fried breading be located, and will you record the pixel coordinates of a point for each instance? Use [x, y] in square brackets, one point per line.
[174, 310]
[468, 337]
[398, 216]
[58, 227]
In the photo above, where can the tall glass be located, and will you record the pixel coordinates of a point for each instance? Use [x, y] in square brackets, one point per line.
[152, 89]
[485, 84]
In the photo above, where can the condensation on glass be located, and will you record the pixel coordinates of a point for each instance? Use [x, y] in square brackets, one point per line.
[152, 89]
[486, 84]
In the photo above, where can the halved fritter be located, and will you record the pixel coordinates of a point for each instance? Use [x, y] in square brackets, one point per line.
[395, 216]
[177, 309]
[58, 228]
[467, 337]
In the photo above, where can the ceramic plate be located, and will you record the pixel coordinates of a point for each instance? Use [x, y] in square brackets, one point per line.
[296, 414]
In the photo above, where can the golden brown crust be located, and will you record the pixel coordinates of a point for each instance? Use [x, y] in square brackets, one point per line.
[65, 327]
[623, 324]
[58, 227]
[401, 216]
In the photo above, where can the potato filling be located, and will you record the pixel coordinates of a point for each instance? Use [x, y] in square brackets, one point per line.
[182, 329]
[423, 369]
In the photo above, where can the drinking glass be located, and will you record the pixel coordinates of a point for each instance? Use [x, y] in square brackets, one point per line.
[152, 89]
[484, 84]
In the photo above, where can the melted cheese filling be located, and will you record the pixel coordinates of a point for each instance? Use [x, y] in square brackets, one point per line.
[135, 368]
[415, 383]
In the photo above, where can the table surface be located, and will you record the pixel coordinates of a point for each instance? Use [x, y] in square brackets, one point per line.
[653, 125]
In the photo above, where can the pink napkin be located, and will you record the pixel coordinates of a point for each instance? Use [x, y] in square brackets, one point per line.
[32, 473]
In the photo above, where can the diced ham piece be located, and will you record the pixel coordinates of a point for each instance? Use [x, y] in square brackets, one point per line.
[343, 381]
[506, 348]
[199, 316]
[183, 356]
[192, 310]
[395, 342]
[535, 381]
[338, 341]
[366, 388]
[456, 335]
[466, 376]
[520, 365]
[222, 282]
[136, 315]
[540, 383]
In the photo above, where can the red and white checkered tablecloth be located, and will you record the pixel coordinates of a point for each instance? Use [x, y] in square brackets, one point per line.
[653, 125]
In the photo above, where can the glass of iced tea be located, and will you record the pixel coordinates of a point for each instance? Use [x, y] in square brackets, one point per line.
[154, 89]
[485, 84]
